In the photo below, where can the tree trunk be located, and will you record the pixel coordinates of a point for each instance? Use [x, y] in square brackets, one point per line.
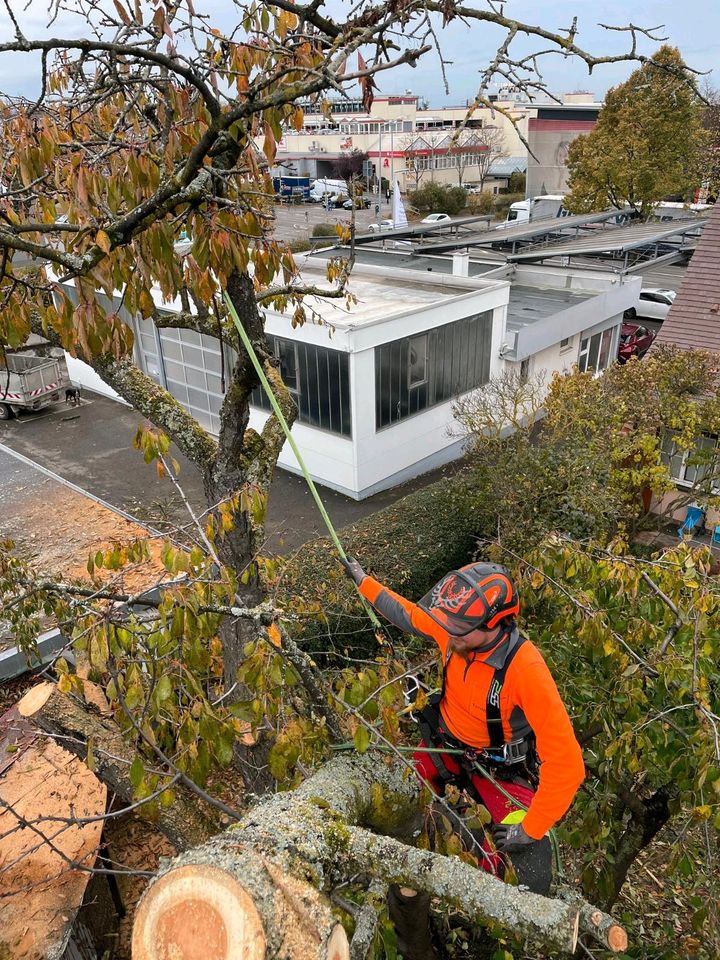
[638, 834]
[292, 849]
[244, 458]
[187, 823]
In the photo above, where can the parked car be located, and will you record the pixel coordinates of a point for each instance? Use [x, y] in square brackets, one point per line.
[436, 218]
[360, 203]
[635, 341]
[383, 225]
[653, 304]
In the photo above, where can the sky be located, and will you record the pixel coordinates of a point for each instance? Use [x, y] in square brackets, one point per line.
[693, 26]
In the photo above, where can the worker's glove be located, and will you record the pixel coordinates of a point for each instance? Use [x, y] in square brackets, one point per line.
[353, 569]
[509, 837]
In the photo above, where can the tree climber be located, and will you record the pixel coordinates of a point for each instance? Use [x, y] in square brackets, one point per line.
[499, 704]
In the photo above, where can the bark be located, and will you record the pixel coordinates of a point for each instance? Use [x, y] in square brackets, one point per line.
[186, 823]
[245, 457]
[319, 835]
[643, 827]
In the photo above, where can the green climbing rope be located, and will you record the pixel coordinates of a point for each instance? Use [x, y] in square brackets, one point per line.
[286, 430]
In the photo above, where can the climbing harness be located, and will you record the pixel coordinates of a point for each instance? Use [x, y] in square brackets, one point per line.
[379, 630]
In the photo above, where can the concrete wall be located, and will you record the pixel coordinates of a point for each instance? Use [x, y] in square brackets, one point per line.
[549, 137]
[84, 376]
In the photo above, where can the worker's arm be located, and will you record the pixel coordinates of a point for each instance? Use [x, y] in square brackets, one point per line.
[403, 613]
[561, 764]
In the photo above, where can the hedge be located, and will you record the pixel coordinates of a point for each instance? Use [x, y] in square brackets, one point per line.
[408, 546]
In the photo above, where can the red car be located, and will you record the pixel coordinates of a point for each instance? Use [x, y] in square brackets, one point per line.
[635, 341]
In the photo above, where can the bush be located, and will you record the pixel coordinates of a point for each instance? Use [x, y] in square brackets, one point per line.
[438, 198]
[408, 546]
[324, 230]
[481, 203]
[300, 245]
[517, 182]
[503, 200]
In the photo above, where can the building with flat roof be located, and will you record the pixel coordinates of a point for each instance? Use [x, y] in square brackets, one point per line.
[375, 379]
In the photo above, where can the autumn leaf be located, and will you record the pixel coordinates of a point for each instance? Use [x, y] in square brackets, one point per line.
[103, 241]
[274, 635]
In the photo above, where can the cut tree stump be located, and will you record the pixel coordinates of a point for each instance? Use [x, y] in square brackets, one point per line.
[186, 823]
[42, 885]
[267, 880]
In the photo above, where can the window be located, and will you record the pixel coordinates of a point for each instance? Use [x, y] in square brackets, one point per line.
[286, 352]
[418, 372]
[417, 360]
[691, 468]
[524, 370]
[595, 352]
[319, 381]
[565, 344]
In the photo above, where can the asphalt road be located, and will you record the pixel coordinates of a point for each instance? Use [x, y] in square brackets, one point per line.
[91, 446]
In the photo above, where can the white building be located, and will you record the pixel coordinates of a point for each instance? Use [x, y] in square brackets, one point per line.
[375, 383]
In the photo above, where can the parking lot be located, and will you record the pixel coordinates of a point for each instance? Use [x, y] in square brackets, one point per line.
[296, 221]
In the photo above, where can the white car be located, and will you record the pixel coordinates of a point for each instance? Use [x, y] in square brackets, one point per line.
[653, 303]
[436, 218]
[383, 225]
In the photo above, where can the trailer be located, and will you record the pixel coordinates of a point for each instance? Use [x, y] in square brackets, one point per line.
[32, 378]
[292, 188]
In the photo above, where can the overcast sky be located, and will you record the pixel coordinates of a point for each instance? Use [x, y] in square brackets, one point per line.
[693, 26]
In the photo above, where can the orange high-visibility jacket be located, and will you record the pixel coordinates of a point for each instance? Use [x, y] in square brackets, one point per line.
[529, 696]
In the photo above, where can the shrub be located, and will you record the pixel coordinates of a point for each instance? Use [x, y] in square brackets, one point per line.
[300, 245]
[438, 198]
[503, 201]
[517, 182]
[481, 203]
[408, 546]
[324, 230]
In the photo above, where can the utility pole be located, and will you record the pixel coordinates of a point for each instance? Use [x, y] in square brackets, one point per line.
[392, 156]
[380, 165]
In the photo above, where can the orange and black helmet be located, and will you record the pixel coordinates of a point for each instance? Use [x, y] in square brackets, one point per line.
[477, 597]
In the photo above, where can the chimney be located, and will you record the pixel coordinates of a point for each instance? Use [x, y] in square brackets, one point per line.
[461, 263]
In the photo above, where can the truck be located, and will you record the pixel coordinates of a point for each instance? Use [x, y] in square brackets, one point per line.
[323, 187]
[536, 208]
[292, 188]
[32, 378]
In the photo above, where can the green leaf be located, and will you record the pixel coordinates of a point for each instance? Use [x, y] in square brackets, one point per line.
[137, 773]
[164, 688]
[361, 739]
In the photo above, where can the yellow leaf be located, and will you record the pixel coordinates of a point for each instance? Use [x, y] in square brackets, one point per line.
[274, 635]
[103, 241]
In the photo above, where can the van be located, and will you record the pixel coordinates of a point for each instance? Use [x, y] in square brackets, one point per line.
[321, 188]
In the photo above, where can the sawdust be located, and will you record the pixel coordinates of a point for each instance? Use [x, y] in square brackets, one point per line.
[133, 845]
[57, 532]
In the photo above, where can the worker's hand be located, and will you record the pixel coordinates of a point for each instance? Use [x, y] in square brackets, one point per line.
[509, 837]
[353, 569]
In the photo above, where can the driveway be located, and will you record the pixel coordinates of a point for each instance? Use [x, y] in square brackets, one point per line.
[91, 446]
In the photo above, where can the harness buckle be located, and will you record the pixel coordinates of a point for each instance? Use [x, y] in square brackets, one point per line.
[515, 751]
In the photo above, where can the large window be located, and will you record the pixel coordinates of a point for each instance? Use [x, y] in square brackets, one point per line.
[319, 382]
[695, 468]
[595, 352]
[426, 369]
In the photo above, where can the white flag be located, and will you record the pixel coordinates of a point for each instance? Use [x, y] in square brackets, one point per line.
[399, 216]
